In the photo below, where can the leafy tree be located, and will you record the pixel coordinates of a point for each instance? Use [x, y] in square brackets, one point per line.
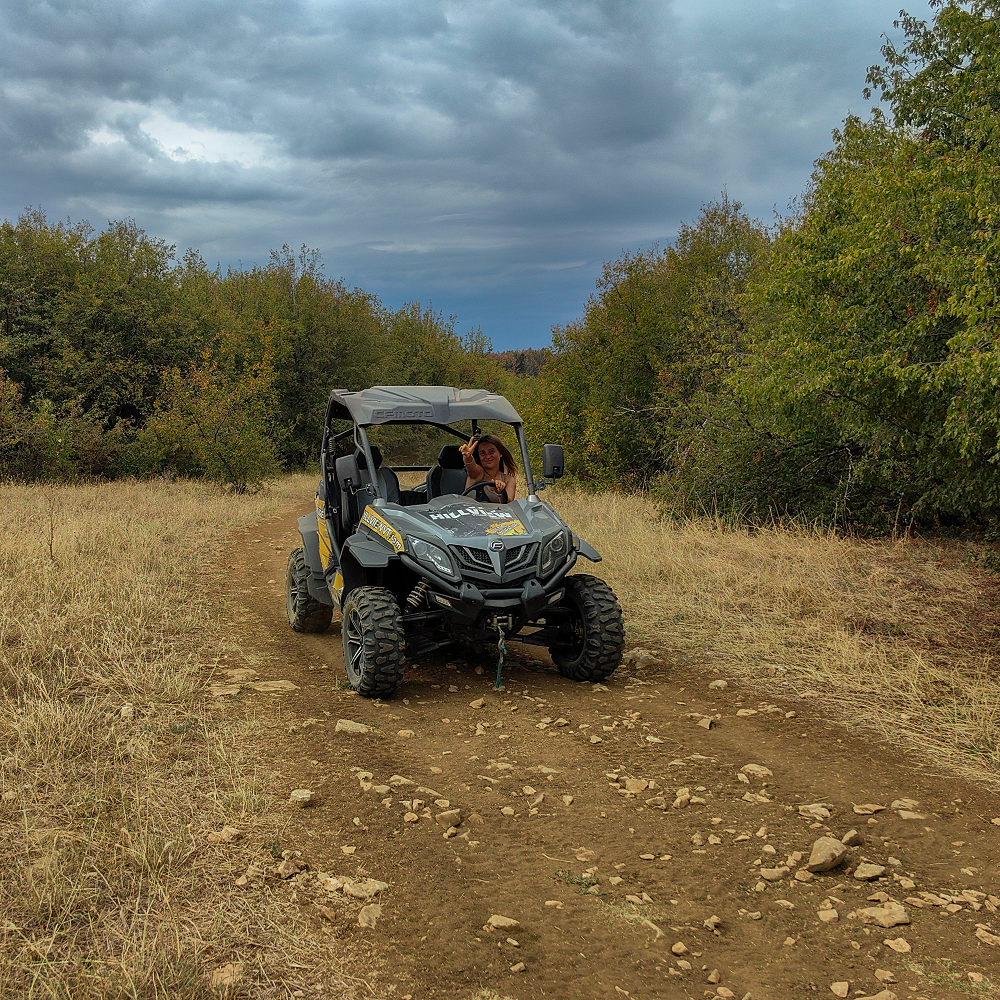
[114, 328]
[218, 424]
[38, 262]
[873, 371]
[45, 442]
[628, 379]
[12, 421]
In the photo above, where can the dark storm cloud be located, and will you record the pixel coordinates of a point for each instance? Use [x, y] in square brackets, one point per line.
[486, 154]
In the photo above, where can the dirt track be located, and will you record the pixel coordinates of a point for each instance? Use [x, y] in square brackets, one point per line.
[564, 870]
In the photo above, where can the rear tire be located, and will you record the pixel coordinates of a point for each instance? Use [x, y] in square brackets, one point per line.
[305, 613]
[374, 641]
[596, 636]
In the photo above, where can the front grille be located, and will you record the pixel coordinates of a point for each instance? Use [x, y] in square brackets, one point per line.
[472, 558]
[521, 558]
[517, 561]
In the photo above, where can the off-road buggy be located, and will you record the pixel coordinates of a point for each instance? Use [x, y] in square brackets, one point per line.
[415, 570]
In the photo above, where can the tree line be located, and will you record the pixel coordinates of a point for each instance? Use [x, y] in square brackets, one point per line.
[840, 364]
[116, 359]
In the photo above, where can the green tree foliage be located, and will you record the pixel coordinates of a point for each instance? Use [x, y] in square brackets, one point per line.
[320, 335]
[873, 373]
[115, 326]
[120, 359]
[38, 262]
[627, 381]
[218, 424]
[46, 442]
[848, 370]
[88, 320]
[11, 415]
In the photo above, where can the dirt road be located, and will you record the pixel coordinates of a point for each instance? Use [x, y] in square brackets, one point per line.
[637, 856]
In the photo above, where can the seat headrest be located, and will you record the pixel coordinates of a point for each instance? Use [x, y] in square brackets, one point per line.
[450, 457]
[376, 457]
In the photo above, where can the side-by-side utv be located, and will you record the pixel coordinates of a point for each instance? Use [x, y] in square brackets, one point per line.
[415, 570]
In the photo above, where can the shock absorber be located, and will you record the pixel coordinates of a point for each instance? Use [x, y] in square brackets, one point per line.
[418, 594]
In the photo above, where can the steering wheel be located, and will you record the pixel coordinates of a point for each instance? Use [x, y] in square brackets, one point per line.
[472, 488]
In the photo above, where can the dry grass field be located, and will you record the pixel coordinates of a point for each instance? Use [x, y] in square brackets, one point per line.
[896, 635]
[115, 767]
[112, 768]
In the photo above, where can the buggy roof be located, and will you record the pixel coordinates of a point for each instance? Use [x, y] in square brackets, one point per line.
[405, 404]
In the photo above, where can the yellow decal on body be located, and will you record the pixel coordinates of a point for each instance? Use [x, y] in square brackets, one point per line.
[507, 528]
[325, 548]
[382, 528]
[338, 587]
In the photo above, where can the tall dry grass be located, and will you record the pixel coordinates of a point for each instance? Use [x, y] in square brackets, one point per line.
[112, 766]
[897, 635]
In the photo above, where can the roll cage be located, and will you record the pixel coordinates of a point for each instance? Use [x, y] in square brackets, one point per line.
[434, 406]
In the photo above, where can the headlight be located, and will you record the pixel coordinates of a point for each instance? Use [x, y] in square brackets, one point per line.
[552, 553]
[433, 557]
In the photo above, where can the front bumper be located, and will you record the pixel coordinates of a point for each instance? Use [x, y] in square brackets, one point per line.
[466, 605]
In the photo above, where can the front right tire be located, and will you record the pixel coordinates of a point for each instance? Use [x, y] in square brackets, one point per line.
[374, 641]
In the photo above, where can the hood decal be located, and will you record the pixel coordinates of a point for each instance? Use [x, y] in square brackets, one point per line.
[471, 520]
[452, 513]
[506, 528]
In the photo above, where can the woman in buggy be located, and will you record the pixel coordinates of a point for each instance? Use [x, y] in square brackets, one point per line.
[490, 466]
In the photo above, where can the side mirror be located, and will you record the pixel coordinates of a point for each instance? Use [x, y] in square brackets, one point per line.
[552, 461]
[348, 473]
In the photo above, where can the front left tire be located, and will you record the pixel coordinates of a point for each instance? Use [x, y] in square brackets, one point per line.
[594, 635]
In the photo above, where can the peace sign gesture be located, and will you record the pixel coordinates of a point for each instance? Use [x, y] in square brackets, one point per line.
[468, 457]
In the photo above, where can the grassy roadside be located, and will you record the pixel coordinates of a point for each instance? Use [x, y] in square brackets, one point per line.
[113, 769]
[899, 635]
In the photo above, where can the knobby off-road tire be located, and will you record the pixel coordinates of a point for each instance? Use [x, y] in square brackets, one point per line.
[598, 631]
[305, 613]
[374, 641]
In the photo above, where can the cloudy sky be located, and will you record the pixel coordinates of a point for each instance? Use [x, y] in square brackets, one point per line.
[483, 155]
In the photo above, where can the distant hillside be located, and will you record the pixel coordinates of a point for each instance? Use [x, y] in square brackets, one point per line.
[528, 361]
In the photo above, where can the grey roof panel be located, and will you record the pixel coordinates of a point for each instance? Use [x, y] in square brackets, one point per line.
[439, 404]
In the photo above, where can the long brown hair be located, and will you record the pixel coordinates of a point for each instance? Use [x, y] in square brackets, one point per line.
[507, 463]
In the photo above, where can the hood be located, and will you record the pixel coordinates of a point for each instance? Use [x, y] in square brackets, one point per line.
[489, 542]
[452, 519]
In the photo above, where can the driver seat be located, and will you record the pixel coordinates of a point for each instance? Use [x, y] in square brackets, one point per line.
[448, 476]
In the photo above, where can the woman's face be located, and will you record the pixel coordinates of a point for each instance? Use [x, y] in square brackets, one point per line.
[489, 455]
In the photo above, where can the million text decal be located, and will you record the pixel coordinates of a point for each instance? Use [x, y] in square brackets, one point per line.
[468, 521]
[382, 528]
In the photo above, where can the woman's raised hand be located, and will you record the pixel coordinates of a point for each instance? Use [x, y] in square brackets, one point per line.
[468, 449]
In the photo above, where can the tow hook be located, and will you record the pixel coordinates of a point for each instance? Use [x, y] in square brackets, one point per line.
[501, 622]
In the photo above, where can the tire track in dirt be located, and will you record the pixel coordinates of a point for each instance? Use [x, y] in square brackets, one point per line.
[565, 871]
